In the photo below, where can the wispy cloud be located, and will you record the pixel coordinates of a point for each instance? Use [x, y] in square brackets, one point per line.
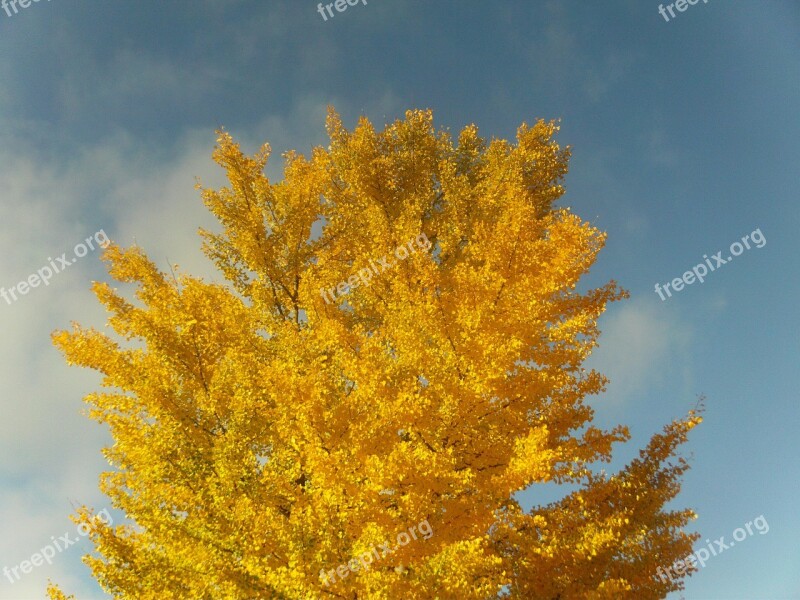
[639, 344]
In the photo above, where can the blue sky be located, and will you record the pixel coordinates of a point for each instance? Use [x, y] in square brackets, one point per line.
[684, 136]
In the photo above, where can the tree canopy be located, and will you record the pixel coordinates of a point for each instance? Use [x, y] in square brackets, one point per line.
[398, 341]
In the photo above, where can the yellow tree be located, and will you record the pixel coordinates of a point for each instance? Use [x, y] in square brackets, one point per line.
[396, 352]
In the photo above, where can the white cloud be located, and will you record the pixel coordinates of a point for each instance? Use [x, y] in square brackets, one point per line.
[640, 343]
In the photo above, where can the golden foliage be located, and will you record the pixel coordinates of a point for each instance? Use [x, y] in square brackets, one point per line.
[264, 436]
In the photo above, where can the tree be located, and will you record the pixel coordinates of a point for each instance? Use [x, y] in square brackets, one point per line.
[399, 343]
